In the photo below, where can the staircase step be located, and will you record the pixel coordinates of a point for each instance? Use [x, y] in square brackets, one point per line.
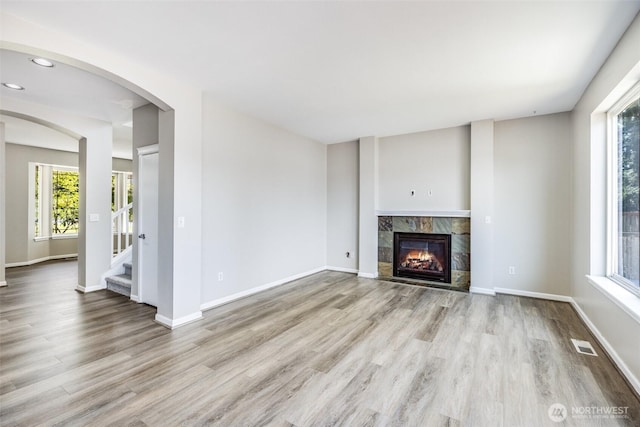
[127, 269]
[120, 284]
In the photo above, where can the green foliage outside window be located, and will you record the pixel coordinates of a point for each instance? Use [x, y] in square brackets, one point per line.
[628, 238]
[629, 125]
[37, 189]
[66, 202]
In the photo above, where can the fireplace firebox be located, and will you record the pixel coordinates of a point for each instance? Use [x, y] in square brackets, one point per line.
[422, 256]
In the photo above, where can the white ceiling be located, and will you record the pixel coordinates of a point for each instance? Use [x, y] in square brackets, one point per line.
[71, 90]
[27, 132]
[335, 71]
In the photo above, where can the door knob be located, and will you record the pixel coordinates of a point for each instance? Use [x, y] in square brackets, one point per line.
[142, 236]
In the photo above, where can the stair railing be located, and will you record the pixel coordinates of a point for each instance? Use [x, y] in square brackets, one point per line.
[122, 226]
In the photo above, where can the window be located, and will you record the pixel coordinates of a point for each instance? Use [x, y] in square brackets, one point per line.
[624, 191]
[57, 200]
[65, 202]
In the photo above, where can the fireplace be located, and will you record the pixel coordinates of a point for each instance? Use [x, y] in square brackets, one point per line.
[422, 256]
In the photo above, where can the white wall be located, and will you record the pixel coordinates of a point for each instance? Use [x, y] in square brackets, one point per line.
[342, 205]
[264, 203]
[482, 206]
[368, 184]
[524, 185]
[20, 246]
[436, 160]
[532, 212]
[122, 165]
[618, 73]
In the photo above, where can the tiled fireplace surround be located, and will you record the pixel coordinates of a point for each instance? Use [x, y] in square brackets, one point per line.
[459, 228]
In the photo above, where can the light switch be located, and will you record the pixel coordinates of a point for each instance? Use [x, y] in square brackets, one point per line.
[180, 222]
[94, 217]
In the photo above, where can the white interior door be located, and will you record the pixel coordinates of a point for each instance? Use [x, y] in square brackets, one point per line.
[148, 225]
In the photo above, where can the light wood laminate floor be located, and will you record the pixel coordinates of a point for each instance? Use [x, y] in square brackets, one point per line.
[329, 349]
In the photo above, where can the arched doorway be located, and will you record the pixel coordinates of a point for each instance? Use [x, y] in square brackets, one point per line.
[180, 141]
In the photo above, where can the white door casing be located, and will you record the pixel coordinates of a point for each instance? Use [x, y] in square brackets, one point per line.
[148, 224]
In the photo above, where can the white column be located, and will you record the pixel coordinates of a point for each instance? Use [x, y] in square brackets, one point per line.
[166, 314]
[179, 217]
[368, 224]
[179, 208]
[482, 195]
[94, 237]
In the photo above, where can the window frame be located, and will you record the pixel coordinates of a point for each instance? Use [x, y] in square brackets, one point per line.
[45, 191]
[612, 190]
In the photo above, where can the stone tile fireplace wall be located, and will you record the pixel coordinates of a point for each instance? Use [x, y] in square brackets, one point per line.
[459, 228]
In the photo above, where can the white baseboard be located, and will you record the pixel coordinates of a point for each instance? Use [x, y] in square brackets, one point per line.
[482, 291]
[635, 383]
[539, 295]
[624, 369]
[135, 298]
[43, 259]
[242, 294]
[368, 275]
[174, 323]
[342, 269]
[87, 289]
[3, 283]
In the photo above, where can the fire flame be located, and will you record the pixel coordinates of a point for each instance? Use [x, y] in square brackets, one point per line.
[421, 260]
[420, 255]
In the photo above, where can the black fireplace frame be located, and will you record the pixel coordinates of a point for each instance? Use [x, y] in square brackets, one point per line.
[444, 277]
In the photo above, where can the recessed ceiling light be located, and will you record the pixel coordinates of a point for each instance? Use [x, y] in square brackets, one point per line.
[42, 62]
[13, 86]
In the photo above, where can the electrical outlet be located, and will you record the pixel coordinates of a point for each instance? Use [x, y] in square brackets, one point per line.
[512, 270]
[220, 277]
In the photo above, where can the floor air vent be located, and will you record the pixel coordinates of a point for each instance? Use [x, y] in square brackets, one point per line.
[583, 347]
